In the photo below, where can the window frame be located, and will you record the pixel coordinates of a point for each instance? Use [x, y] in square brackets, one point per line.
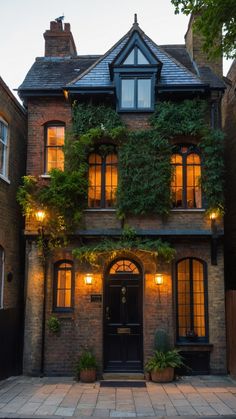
[5, 172]
[51, 124]
[103, 165]
[2, 275]
[192, 149]
[136, 77]
[198, 339]
[55, 285]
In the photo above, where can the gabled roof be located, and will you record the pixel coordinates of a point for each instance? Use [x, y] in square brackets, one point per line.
[173, 72]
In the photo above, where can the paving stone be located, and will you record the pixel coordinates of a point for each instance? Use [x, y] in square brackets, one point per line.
[64, 411]
[205, 410]
[222, 409]
[29, 408]
[83, 412]
[186, 411]
[101, 412]
[46, 410]
[121, 414]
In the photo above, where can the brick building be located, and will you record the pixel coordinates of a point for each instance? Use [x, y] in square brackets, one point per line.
[12, 167]
[117, 315]
[229, 125]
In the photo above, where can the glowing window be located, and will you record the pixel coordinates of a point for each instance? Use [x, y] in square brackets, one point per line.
[103, 180]
[185, 187]
[54, 154]
[191, 299]
[124, 266]
[63, 286]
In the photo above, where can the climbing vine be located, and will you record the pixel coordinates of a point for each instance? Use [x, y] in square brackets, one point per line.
[129, 241]
[144, 167]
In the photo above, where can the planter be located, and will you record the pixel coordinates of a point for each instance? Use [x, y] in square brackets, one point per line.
[88, 376]
[163, 376]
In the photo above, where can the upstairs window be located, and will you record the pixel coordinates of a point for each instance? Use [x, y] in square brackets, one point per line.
[136, 57]
[3, 148]
[191, 300]
[54, 154]
[63, 286]
[136, 93]
[186, 189]
[103, 179]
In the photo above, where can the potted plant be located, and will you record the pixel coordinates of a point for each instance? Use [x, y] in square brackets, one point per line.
[86, 367]
[165, 359]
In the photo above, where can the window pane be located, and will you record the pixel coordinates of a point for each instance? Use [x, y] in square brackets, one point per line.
[63, 285]
[95, 181]
[183, 287]
[54, 148]
[127, 93]
[130, 58]
[199, 306]
[111, 180]
[177, 181]
[144, 93]
[193, 173]
[3, 149]
[141, 58]
[124, 266]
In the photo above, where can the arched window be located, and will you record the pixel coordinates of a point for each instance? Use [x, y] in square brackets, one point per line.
[4, 148]
[54, 142]
[124, 266]
[191, 292]
[1, 276]
[63, 278]
[103, 178]
[186, 190]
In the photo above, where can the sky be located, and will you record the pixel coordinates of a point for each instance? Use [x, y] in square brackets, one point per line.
[95, 24]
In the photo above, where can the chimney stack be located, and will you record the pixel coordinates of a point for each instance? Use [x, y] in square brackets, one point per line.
[59, 41]
[194, 42]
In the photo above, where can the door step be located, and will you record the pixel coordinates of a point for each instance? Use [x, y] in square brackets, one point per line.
[116, 376]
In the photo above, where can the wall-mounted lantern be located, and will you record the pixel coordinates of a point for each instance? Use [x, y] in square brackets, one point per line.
[40, 216]
[88, 279]
[159, 279]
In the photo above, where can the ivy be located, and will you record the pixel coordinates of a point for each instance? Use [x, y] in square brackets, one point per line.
[144, 174]
[129, 241]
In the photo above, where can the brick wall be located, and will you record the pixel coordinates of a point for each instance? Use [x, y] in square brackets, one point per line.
[40, 112]
[10, 216]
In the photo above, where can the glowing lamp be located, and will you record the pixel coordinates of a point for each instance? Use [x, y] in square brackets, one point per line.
[158, 279]
[40, 215]
[213, 215]
[88, 279]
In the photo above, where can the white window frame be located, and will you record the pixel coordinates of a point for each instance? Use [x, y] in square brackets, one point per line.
[2, 255]
[5, 142]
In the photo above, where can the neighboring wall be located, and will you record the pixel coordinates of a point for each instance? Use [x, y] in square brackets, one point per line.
[10, 232]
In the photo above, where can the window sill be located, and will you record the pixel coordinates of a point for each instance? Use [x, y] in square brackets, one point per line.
[194, 346]
[5, 179]
[188, 210]
[46, 176]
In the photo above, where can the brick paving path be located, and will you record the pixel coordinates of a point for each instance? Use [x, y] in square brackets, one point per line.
[27, 397]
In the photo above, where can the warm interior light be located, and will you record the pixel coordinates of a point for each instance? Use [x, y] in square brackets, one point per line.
[213, 215]
[88, 279]
[40, 215]
[66, 94]
[158, 279]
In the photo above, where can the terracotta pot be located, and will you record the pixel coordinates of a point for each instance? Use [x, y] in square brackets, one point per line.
[163, 376]
[88, 376]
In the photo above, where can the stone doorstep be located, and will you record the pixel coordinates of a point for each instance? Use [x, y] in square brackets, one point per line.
[127, 376]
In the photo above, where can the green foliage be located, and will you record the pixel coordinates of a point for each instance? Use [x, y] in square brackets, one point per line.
[86, 117]
[182, 118]
[212, 146]
[161, 360]
[54, 324]
[213, 17]
[93, 253]
[161, 341]
[144, 174]
[87, 361]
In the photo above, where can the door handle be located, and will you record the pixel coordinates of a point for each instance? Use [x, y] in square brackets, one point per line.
[108, 313]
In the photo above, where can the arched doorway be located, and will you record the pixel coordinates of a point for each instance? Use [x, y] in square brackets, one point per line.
[123, 317]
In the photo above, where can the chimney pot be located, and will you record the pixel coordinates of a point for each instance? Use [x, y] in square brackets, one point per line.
[59, 41]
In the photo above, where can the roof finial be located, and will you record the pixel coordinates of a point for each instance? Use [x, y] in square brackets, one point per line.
[135, 18]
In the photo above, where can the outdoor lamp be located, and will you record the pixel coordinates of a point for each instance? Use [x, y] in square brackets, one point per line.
[40, 215]
[159, 279]
[88, 279]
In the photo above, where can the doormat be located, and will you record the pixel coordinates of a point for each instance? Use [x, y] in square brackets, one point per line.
[120, 383]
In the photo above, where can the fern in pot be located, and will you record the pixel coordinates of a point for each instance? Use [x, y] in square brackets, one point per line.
[162, 364]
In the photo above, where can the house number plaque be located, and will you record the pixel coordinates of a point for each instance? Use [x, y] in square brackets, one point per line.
[96, 298]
